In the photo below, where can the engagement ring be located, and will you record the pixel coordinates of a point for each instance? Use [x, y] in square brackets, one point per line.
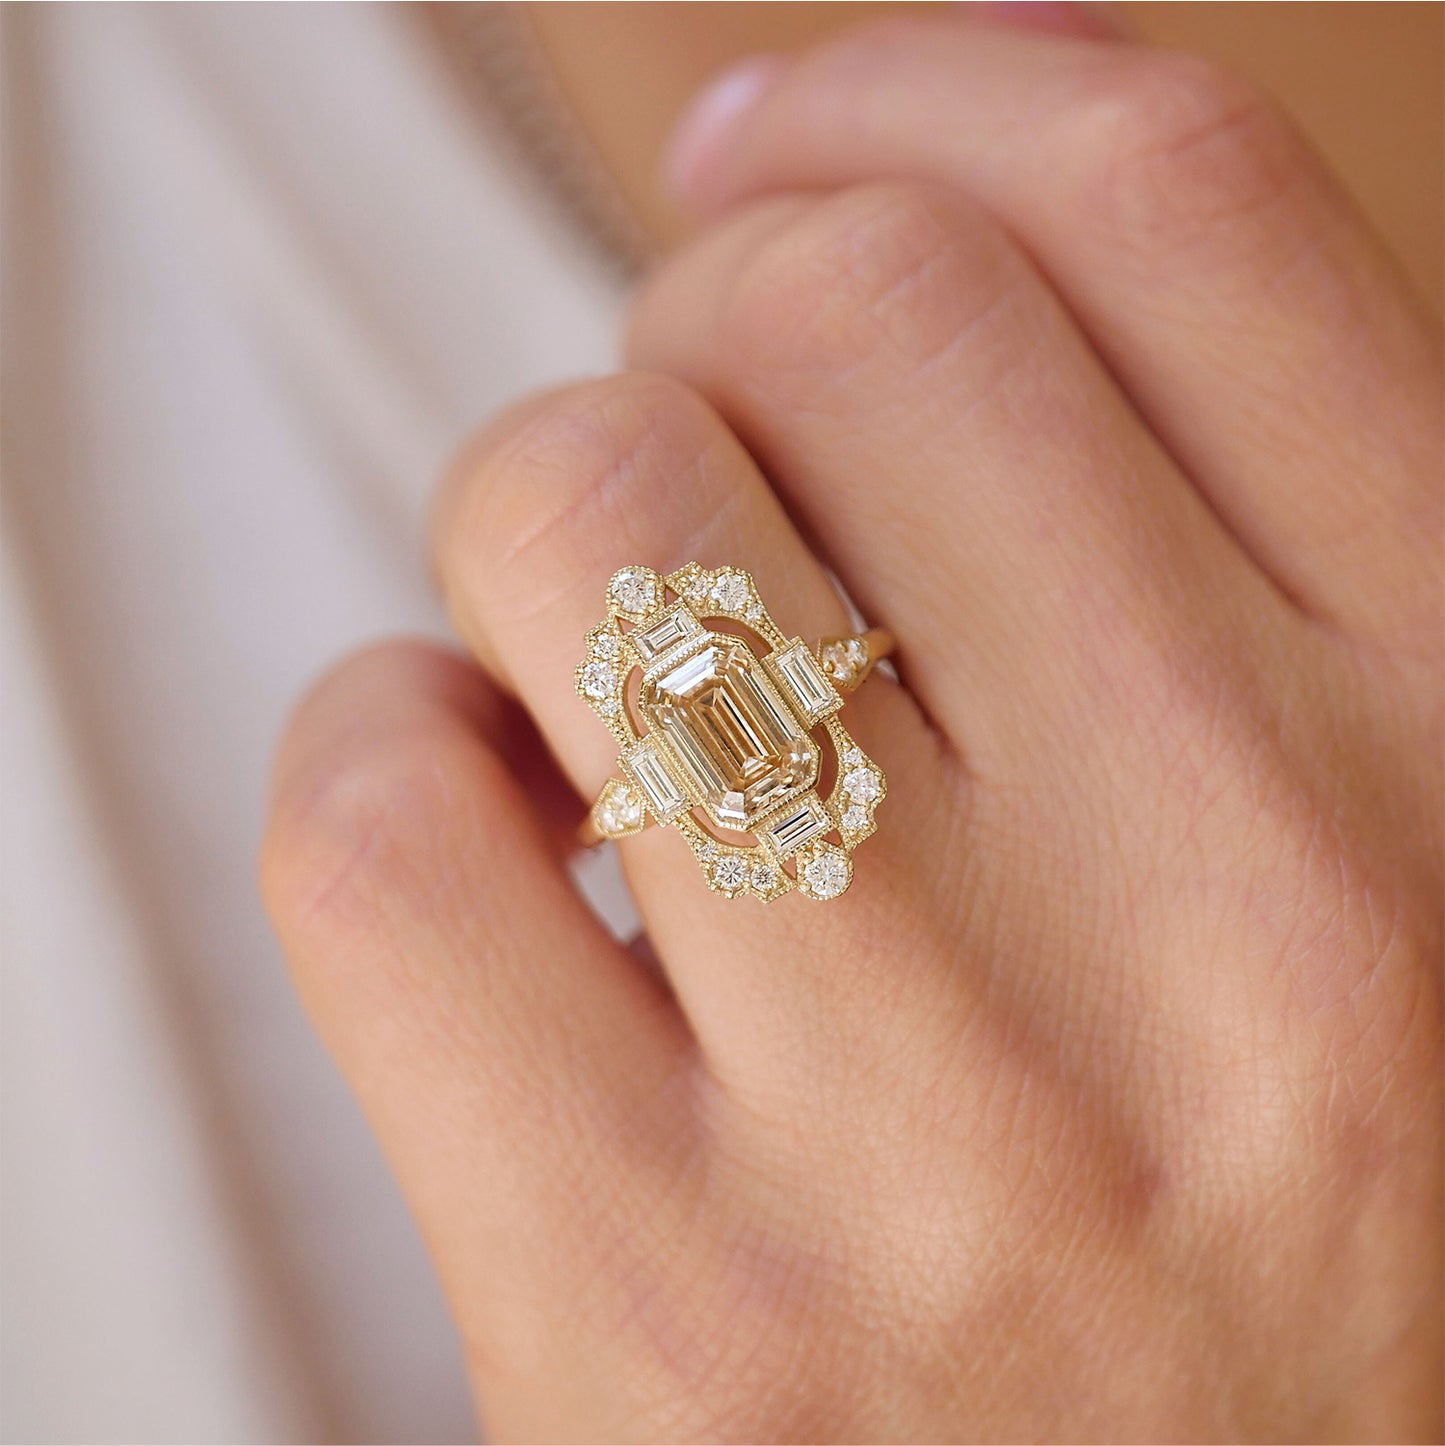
[736, 746]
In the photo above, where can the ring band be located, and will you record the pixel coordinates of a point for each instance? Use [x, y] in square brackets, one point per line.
[728, 743]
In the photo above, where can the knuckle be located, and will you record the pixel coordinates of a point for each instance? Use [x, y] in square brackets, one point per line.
[1341, 945]
[337, 852]
[1180, 151]
[560, 494]
[751, 1364]
[356, 832]
[896, 271]
[1364, 995]
[875, 47]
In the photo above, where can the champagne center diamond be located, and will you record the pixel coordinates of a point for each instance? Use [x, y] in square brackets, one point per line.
[736, 740]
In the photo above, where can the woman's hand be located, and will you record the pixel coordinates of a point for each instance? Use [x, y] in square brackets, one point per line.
[1106, 1104]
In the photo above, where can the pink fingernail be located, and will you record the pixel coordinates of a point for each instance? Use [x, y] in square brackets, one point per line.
[702, 132]
[1081, 18]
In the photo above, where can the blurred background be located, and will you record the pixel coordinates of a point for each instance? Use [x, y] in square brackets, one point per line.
[263, 267]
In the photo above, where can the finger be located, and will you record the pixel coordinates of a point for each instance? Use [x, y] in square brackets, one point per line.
[927, 406]
[560, 491]
[544, 509]
[1226, 279]
[522, 1071]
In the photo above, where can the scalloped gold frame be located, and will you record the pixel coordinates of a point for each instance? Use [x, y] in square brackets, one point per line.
[637, 599]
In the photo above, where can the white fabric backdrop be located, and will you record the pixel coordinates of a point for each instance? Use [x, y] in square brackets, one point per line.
[261, 272]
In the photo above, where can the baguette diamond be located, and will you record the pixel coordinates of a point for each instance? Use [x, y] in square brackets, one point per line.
[664, 797]
[797, 825]
[676, 626]
[803, 677]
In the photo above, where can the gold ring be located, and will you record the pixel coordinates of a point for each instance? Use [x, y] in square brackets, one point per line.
[739, 748]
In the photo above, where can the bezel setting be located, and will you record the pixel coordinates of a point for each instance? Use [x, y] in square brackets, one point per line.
[804, 681]
[727, 734]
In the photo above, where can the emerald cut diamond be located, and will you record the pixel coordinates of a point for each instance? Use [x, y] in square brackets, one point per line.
[731, 735]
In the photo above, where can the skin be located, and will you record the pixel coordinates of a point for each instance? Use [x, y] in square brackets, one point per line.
[1106, 1105]
[1363, 81]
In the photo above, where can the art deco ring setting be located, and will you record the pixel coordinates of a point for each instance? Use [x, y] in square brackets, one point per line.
[729, 732]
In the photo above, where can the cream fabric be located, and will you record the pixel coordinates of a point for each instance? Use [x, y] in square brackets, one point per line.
[262, 270]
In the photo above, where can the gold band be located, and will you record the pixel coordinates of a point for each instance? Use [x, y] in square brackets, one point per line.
[618, 810]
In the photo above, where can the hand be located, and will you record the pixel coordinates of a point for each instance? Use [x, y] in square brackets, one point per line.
[1106, 1104]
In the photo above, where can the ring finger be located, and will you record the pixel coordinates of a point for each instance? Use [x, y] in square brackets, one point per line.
[550, 501]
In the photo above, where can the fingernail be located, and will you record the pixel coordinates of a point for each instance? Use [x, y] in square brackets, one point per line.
[702, 133]
[1085, 19]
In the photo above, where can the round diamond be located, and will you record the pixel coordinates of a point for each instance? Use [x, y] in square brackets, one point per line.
[729, 872]
[705, 851]
[861, 784]
[607, 707]
[730, 591]
[854, 819]
[634, 589]
[852, 758]
[843, 657]
[754, 613]
[825, 875]
[598, 679]
[619, 811]
[762, 877]
[607, 645]
[697, 586]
